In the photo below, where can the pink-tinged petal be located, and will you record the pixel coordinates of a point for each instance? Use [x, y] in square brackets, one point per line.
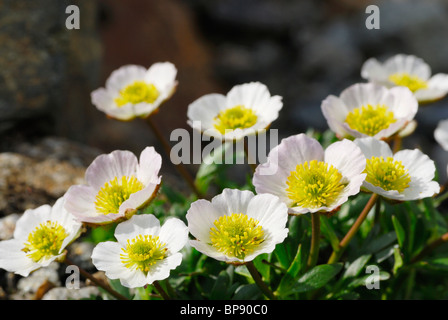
[80, 201]
[149, 166]
[106, 167]
[139, 199]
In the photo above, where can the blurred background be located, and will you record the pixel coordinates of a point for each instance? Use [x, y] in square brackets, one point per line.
[303, 50]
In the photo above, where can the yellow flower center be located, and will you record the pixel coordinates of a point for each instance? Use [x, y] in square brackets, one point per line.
[388, 174]
[238, 117]
[314, 184]
[115, 192]
[45, 241]
[137, 92]
[370, 119]
[414, 83]
[236, 235]
[142, 252]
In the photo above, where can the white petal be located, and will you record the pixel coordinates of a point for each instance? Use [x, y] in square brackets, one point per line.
[174, 233]
[441, 134]
[232, 201]
[205, 109]
[13, 259]
[271, 213]
[123, 77]
[200, 218]
[372, 147]
[347, 157]
[144, 224]
[149, 166]
[162, 75]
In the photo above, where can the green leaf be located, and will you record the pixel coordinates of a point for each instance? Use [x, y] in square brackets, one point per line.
[328, 231]
[287, 280]
[117, 286]
[355, 268]
[398, 260]
[247, 292]
[316, 278]
[399, 230]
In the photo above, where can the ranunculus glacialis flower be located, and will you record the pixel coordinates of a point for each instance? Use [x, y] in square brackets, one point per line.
[405, 175]
[134, 91]
[308, 178]
[117, 185]
[369, 110]
[245, 110]
[408, 71]
[144, 251]
[40, 237]
[236, 226]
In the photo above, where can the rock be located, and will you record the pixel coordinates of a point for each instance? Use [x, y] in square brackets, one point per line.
[62, 293]
[40, 172]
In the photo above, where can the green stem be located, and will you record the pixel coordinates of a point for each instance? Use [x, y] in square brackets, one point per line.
[160, 290]
[257, 278]
[98, 282]
[315, 239]
[180, 167]
[355, 227]
[430, 247]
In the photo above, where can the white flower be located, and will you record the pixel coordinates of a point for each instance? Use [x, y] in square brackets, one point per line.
[368, 109]
[245, 110]
[144, 252]
[40, 237]
[134, 91]
[117, 185]
[308, 178]
[409, 71]
[441, 134]
[236, 226]
[405, 175]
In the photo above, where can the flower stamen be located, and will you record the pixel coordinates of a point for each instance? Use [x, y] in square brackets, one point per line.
[388, 174]
[314, 184]
[414, 83]
[370, 119]
[45, 241]
[137, 92]
[142, 252]
[115, 192]
[236, 235]
[238, 117]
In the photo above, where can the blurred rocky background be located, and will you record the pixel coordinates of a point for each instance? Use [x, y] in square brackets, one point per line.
[303, 50]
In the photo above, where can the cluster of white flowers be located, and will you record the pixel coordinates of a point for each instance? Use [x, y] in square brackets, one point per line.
[235, 226]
